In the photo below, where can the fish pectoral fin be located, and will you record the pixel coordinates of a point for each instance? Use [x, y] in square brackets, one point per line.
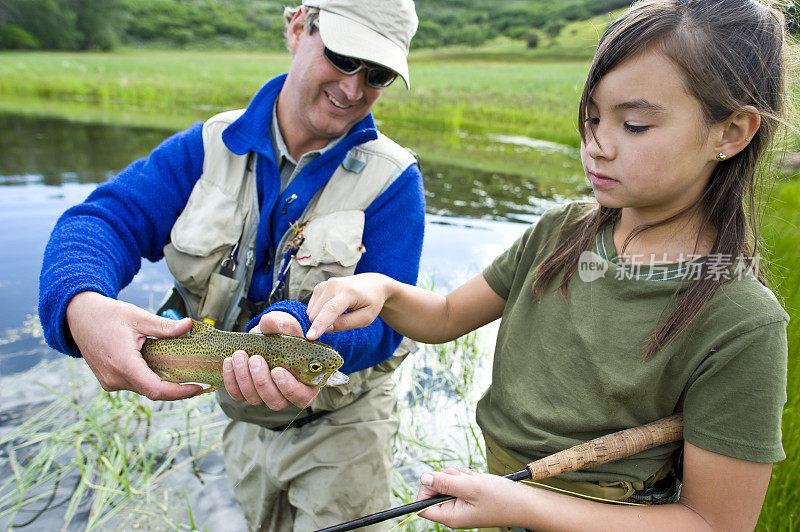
[337, 378]
[209, 390]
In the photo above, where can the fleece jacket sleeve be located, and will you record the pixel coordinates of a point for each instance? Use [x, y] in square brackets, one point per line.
[98, 245]
[393, 234]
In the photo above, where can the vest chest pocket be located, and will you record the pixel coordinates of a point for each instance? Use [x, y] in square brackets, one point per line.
[331, 248]
[203, 234]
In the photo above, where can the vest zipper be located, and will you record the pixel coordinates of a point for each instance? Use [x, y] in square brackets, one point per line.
[287, 202]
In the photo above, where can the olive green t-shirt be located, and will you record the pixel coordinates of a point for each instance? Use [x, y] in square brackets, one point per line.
[565, 372]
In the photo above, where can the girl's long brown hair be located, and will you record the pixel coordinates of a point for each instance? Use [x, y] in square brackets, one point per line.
[733, 54]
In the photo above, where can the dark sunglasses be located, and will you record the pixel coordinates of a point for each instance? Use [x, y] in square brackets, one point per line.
[377, 77]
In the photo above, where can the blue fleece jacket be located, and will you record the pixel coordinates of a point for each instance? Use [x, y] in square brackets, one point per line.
[98, 244]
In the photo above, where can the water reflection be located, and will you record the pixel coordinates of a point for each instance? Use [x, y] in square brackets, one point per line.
[54, 152]
[452, 190]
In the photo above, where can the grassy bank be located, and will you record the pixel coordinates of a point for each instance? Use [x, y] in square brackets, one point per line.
[171, 89]
[457, 102]
[781, 232]
[445, 117]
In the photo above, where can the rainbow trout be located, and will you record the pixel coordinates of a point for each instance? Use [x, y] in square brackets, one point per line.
[198, 357]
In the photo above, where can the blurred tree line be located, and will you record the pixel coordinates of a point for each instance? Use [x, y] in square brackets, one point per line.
[104, 24]
[473, 22]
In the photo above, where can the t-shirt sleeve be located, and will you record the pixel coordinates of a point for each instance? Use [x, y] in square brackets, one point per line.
[735, 398]
[500, 273]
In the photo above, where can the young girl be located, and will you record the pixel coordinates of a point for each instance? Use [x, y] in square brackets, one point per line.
[621, 312]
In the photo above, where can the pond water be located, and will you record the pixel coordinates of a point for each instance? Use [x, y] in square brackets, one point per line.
[47, 165]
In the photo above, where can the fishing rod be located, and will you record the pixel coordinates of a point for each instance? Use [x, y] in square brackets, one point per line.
[602, 450]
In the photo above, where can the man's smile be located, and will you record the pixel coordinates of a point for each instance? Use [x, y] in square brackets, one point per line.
[336, 102]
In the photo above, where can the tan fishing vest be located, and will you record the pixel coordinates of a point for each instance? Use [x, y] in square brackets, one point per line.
[217, 230]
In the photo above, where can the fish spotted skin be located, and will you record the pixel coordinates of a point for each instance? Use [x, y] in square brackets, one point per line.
[198, 357]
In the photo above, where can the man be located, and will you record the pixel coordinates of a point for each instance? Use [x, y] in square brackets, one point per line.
[251, 209]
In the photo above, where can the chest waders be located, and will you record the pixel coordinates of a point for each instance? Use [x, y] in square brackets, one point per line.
[211, 252]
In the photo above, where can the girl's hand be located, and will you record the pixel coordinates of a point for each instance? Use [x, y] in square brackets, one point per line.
[361, 296]
[483, 500]
[411, 311]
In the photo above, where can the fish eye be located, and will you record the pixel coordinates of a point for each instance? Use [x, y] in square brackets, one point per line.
[315, 366]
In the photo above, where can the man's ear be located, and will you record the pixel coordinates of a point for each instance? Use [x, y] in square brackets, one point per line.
[296, 29]
[737, 131]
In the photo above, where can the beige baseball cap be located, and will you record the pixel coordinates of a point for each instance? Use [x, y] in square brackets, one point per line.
[378, 31]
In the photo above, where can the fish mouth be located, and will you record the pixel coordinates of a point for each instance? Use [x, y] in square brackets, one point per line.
[337, 378]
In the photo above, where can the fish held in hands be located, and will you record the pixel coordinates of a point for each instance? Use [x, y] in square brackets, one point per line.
[198, 357]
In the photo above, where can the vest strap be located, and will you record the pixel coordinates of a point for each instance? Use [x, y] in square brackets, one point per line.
[297, 423]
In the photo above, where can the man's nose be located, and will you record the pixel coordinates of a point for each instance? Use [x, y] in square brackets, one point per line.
[353, 85]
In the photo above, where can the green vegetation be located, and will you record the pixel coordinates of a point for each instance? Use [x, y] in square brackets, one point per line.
[244, 24]
[203, 24]
[474, 22]
[200, 24]
[781, 234]
[61, 24]
[102, 25]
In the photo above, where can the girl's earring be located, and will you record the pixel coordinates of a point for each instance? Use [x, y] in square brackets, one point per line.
[721, 156]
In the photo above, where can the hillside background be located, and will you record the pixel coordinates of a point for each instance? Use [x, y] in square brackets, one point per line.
[258, 24]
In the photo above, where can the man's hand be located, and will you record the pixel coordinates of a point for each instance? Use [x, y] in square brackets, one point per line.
[110, 333]
[252, 381]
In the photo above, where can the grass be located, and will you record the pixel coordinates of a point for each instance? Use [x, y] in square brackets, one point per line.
[439, 387]
[97, 460]
[164, 88]
[781, 232]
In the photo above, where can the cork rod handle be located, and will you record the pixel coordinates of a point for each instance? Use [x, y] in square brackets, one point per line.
[609, 448]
